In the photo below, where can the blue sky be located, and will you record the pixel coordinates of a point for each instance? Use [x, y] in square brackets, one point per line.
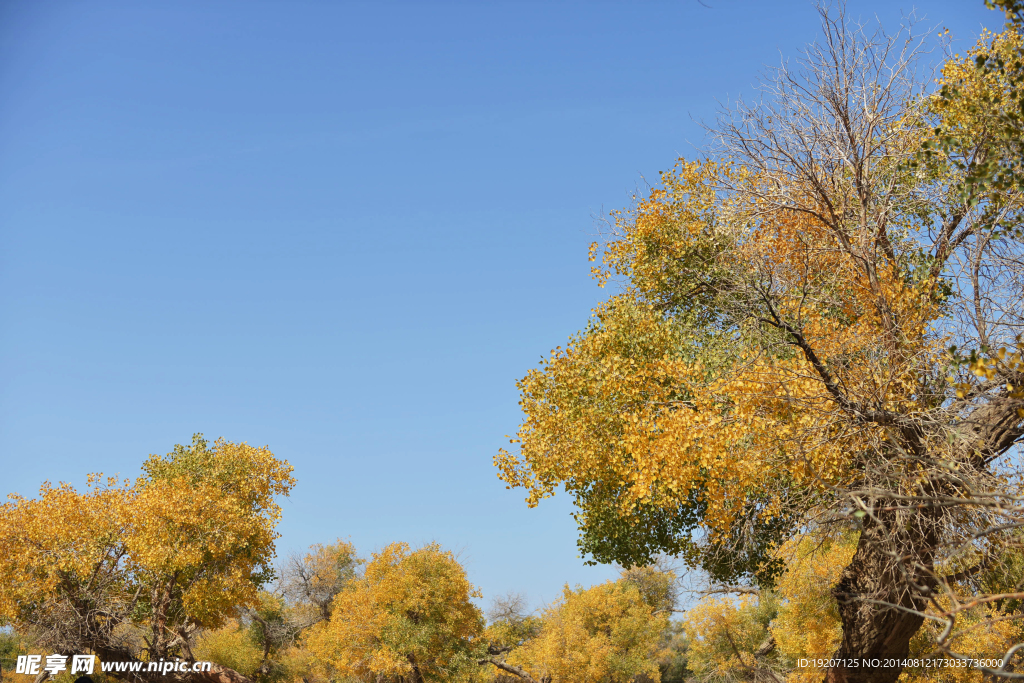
[340, 229]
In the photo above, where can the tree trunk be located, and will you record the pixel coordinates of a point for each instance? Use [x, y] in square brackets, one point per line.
[873, 631]
[508, 668]
[417, 675]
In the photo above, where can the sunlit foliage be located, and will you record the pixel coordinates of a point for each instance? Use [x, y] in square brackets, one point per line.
[134, 569]
[818, 322]
[726, 636]
[605, 633]
[311, 582]
[807, 624]
[410, 616]
[232, 646]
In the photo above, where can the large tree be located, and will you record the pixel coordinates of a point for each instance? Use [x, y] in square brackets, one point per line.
[133, 571]
[819, 324]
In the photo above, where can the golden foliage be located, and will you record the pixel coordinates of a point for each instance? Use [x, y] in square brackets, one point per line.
[194, 536]
[667, 401]
[609, 632]
[232, 646]
[975, 100]
[802, 617]
[724, 633]
[60, 534]
[310, 582]
[979, 635]
[807, 624]
[410, 615]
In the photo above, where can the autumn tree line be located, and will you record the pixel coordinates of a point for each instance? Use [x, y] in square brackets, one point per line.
[177, 565]
[806, 389]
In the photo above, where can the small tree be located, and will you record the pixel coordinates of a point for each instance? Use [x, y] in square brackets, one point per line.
[611, 632]
[409, 619]
[311, 582]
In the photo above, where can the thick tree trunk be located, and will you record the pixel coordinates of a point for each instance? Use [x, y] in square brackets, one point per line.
[879, 611]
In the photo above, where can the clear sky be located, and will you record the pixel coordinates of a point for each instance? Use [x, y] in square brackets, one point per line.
[342, 230]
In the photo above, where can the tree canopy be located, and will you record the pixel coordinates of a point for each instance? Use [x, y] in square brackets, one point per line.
[818, 324]
[409, 618]
[132, 570]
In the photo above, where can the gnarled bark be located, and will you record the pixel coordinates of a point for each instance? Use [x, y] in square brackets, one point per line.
[880, 598]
